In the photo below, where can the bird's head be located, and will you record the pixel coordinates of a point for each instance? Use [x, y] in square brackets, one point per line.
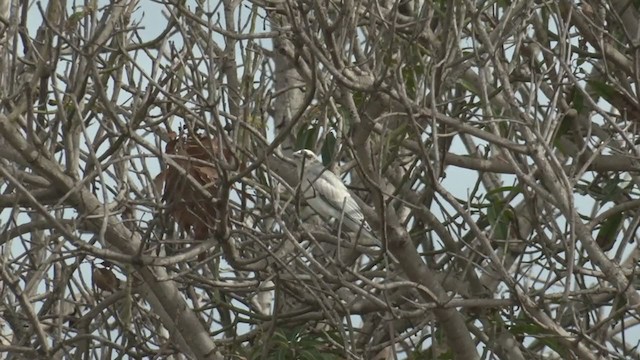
[305, 156]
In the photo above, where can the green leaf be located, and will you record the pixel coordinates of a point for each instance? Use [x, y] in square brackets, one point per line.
[605, 192]
[522, 327]
[499, 213]
[566, 124]
[328, 148]
[410, 74]
[603, 89]
[500, 216]
[469, 86]
[611, 189]
[307, 136]
[578, 101]
[501, 189]
[609, 229]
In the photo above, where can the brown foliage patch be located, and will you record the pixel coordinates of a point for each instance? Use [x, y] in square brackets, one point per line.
[196, 154]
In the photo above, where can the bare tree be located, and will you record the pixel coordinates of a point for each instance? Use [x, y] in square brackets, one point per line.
[151, 208]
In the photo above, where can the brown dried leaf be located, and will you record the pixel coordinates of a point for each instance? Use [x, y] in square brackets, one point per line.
[184, 202]
[159, 180]
[205, 174]
[105, 280]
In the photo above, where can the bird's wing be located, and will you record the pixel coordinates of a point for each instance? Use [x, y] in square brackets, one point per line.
[330, 189]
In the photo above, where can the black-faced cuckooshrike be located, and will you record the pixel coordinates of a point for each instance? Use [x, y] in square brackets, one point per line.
[327, 195]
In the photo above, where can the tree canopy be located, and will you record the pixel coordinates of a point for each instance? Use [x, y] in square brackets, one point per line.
[151, 206]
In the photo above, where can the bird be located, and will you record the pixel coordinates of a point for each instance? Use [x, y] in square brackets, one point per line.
[328, 196]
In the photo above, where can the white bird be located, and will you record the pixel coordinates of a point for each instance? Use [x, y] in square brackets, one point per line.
[327, 195]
